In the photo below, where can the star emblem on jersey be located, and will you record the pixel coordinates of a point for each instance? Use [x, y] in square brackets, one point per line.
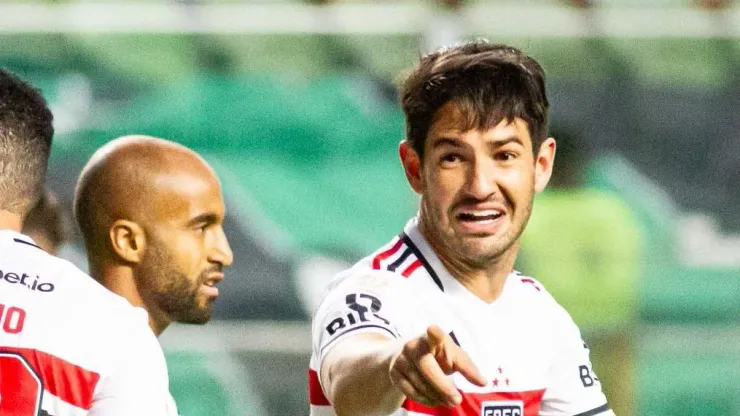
[501, 380]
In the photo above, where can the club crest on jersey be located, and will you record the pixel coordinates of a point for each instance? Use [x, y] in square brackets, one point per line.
[502, 408]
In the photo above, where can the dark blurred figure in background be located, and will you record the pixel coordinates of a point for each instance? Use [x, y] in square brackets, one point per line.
[48, 224]
[585, 245]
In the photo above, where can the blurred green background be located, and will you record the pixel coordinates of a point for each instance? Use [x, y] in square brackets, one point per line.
[294, 105]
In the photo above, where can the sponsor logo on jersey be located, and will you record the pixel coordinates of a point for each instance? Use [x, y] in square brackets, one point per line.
[30, 282]
[363, 308]
[502, 408]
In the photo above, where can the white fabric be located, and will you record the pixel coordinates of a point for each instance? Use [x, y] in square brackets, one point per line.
[71, 317]
[524, 343]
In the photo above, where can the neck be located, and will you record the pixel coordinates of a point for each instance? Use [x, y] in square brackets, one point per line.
[10, 221]
[486, 281]
[120, 280]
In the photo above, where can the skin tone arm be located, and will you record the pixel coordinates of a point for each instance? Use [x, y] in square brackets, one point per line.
[391, 372]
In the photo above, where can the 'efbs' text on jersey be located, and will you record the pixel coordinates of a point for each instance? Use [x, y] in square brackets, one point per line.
[513, 408]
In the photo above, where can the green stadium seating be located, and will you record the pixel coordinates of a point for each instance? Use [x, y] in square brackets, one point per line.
[209, 384]
[670, 291]
[689, 376]
[169, 58]
[307, 155]
[683, 294]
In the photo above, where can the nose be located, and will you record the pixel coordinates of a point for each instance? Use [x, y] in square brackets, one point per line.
[221, 252]
[482, 180]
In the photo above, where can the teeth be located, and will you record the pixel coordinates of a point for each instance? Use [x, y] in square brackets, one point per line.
[483, 215]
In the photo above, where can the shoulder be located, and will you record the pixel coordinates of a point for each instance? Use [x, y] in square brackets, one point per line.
[61, 282]
[396, 265]
[83, 289]
[531, 293]
[531, 289]
[363, 297]
[94, 304]
[132, 348]
[362, 278]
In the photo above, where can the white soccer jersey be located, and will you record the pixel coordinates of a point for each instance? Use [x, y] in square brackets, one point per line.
[524, 343]
[70, 347]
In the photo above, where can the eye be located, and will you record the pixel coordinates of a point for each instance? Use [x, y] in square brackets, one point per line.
[450, 158]
[506, 156]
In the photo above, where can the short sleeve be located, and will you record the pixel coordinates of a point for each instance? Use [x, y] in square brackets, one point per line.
[574, 389]
[139, 385]
[372, 301]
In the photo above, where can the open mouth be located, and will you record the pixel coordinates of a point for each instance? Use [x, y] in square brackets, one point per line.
[481, 217]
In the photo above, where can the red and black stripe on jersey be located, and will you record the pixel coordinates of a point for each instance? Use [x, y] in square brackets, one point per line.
[402, 251]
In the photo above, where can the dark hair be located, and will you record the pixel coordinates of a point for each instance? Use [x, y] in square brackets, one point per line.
[488, 82]
[25, 141]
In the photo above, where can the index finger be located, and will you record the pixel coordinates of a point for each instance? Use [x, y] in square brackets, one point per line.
[464, 365]
[437, 379]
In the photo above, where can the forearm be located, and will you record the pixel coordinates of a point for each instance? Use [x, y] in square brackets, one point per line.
[358, 381]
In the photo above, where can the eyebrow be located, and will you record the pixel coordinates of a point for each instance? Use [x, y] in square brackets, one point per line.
[447, 141]
[207, 218]
[504, 142]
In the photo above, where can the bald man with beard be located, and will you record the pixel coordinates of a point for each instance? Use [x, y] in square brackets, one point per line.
[151, 214]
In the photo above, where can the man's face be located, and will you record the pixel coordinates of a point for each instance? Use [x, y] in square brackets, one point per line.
[186, 246]
[478, 186]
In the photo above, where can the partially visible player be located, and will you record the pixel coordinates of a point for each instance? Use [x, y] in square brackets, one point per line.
[47, 223]
[68, 346]
[437, 322]
[151, 213]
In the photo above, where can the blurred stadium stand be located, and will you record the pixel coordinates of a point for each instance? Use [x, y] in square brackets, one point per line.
[293, 105]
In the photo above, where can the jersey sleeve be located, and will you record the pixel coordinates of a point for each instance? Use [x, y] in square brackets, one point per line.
[373, 301]
[573, 387]
[139, 385]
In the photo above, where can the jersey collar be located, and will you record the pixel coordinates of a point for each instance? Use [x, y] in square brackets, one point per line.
[414, 239]
[10, 235]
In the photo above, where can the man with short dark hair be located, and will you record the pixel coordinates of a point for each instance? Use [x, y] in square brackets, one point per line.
[437, 322]
[25, 143]
[68, 346]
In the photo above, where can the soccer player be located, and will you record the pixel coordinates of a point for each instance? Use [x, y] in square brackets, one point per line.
[68, 346]
[151, 214]
[47, 223]
[437, 322]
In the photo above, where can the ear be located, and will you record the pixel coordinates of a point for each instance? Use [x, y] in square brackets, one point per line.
[411, 165]
[128, 240]
[544, 163]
